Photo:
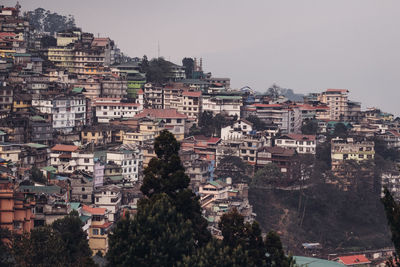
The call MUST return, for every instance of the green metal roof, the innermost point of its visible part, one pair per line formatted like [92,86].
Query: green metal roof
[35,145]
[49,169]
[84,218]
[315,262]
[116,177]
[37,118]
[77,90]
[75,205]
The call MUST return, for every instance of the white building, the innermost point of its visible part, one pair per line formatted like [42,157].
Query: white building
[112,108]
[304,144]
[68,159]
[130,161]
[68,111]
[237,130]
[227,104]
[109,197]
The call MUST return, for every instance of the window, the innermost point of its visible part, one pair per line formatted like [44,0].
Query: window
[179,120]
[87,160]
[84,196]
[83,189]
[95,231]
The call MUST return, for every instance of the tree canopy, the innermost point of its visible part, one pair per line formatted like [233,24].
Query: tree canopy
[45,21]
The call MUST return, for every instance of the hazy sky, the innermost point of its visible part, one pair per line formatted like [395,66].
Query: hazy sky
[306,45]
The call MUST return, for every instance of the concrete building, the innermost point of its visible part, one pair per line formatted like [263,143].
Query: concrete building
[303,144]
[113,108]
[336,99]
[226,104]
[109,197]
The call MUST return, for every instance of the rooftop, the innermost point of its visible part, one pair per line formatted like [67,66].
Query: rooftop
[64,148]
[161,114]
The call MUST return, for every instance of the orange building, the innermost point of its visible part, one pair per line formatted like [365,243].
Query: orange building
[15,209]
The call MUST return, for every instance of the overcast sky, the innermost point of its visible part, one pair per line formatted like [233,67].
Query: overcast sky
[306,45]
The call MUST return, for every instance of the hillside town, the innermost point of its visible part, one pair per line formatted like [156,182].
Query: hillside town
[79,119]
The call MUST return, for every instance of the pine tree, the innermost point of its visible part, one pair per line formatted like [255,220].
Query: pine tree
[157,236]
[392,210]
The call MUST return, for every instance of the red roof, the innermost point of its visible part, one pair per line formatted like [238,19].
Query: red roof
[161,114]
[94,211]
[354,259]
[67,148]
[140,92]
[395,133]
[192,94]
[213,140]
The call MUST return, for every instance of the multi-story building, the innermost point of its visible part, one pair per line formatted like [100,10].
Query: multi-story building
[350,149]
[97,135]
[82,189]
[282,157]
[113,88]
[68,111]
[153,96]
[6,99]
[171,93]
[237,130]
[113,108]
[189,103]
[98,229]
[16,210]
[303,144]
[337,100]
[226,104]
[174,121]
[130,159]
[68,159]
[287,117]
[109,197]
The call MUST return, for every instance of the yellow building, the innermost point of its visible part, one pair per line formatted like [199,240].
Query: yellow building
[98,229]
[63,57]
[148,130]
[96,135]
[22,102]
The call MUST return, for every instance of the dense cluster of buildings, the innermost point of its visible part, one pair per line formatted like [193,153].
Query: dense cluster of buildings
[77,129]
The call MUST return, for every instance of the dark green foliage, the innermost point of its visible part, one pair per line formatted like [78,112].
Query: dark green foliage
[48,41]
[157,236]
[323,154]
[274,248]
[157,70]
[233,167]
[392,210]
[37,175]
[44,21]
[238,234]
[310,127]
[258,124]
[210,125]
[267,176]
[169,223]
[42,247]
[188,63]
[340,130]
[70,231]
[391,154]
[6,258]
[216,254]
